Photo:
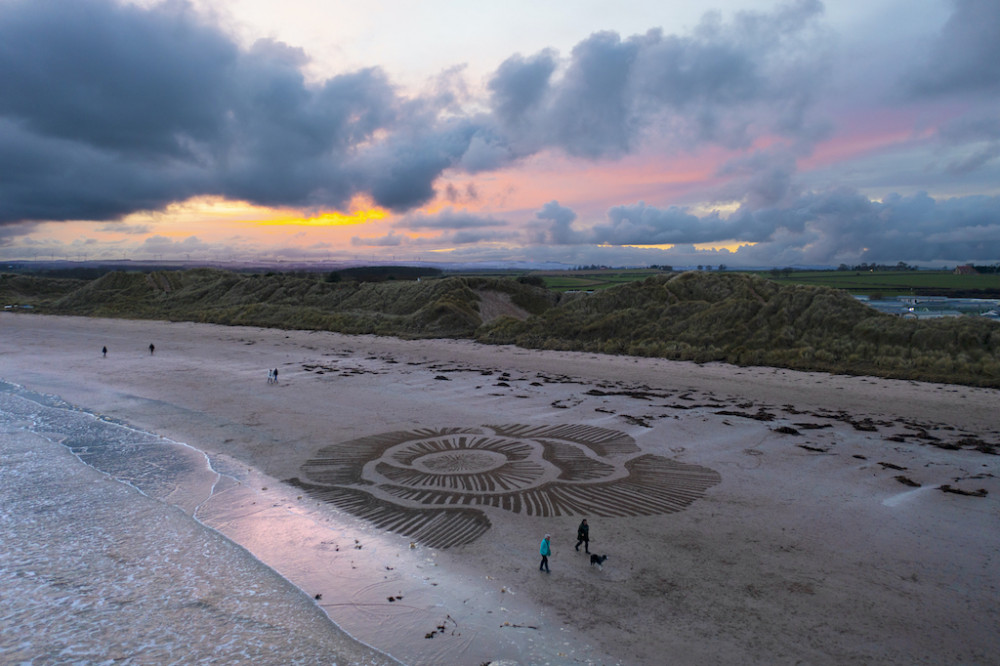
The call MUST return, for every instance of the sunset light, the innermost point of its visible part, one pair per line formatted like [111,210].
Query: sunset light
[770,132]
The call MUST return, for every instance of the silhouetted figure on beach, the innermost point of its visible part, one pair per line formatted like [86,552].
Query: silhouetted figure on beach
[104,352]
[152,348]
[275,375]
[545,550]
[583,536]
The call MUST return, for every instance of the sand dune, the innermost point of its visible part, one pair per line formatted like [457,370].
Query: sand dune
[749,515]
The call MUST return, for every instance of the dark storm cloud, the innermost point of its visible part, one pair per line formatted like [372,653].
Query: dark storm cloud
[106,109]
[55,178]
[120,79]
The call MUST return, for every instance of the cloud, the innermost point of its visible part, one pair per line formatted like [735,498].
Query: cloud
[761,179]
[468,194]
[725,84]
[392,239]
[450,239]
[825,228]
[963,58]
[557,226]
[519,86]
[107,109]
[114,78]
[448,219]
[9,235]
[457,227]
[131,229]
[162,245]
[639,224]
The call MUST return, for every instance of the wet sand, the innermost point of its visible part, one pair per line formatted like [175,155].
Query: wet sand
[749,515]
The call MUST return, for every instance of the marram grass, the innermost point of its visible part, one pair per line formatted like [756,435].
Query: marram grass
[703,317]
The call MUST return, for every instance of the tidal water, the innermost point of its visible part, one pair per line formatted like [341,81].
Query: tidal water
[103,563]
[120,546]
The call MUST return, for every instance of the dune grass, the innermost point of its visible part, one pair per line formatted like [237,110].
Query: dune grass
[747,320]
[730,317]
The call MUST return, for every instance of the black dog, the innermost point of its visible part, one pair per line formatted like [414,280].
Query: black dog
[598,560]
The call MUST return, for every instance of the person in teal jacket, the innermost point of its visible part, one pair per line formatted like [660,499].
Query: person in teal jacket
[545,551]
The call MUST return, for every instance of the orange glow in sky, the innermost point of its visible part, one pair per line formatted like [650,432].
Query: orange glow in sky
[331,219]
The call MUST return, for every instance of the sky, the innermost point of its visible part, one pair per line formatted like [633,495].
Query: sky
[639,132]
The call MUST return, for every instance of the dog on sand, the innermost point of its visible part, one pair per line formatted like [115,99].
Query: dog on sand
[598,560]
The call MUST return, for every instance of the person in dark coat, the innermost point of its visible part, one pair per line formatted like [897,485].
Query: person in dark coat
[583,536]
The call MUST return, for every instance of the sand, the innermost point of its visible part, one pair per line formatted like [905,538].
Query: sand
[749,515]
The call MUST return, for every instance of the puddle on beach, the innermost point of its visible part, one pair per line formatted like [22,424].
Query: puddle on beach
[413,603]
[906,496]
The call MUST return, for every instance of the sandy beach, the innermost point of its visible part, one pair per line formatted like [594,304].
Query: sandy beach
[748,515]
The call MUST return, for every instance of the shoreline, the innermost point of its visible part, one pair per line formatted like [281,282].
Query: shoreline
[307,548]
[807,534]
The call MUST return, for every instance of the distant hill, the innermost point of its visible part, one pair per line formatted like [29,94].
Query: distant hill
[731,317]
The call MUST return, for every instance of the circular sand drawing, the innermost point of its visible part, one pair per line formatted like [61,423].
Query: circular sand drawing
[436,486]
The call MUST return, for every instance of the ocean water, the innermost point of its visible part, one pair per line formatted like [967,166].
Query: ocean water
[120,546]
[98,567]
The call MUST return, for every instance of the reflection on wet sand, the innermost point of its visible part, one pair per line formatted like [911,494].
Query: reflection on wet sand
[381,589]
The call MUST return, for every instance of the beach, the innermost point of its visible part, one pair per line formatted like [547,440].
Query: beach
[748,515]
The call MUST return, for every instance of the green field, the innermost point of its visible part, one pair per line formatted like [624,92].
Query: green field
[885,283]
[894,283]
[594,280]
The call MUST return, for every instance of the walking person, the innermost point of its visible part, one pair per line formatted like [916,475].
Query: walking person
[104,352]
[545,550]
[275,375]
[270,376]
[152,348]
[583,536]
